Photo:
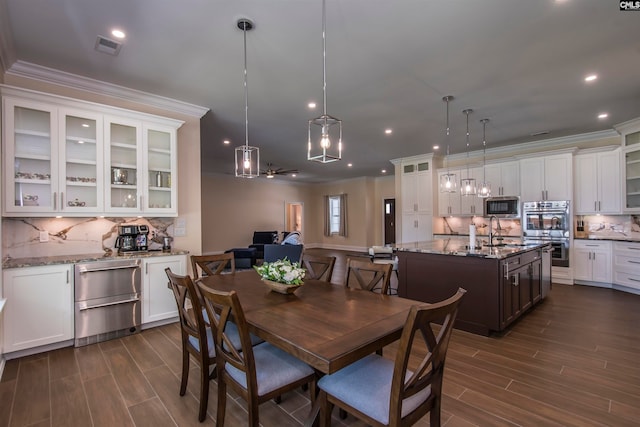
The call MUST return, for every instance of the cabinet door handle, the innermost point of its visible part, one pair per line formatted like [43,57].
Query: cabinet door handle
[516,282]
[55,200]
[595,205]
[633,280]
[61,200]
[67,276]
[634,262]
[599,205]
[589,254]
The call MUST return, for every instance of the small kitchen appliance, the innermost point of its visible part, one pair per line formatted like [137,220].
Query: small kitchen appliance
[132,238]
[166,244]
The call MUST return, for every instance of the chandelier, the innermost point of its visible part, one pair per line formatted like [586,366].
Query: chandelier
[447,180]
[468,185]
[485,186]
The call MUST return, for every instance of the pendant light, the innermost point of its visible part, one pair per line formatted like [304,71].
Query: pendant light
[325,132]
[247,157]
[448,180]
[468,185]
[485,186]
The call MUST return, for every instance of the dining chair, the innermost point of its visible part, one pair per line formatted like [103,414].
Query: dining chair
[197,339]
[257,373]
[385,255]
[366,275]
[276,252]
[318,267]
[385,392]
[212,264]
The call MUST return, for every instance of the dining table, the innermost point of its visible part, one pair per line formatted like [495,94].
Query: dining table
[328,326]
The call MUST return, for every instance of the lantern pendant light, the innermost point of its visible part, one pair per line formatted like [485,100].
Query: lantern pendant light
[448,180]
[325,132]
[247,157]
[468,185]
[485,186]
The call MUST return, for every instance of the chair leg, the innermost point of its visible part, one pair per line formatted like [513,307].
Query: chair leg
[254,416]
[325,409]
[204,390]
[278,399]
[185,371]
[222,400]
[342,413]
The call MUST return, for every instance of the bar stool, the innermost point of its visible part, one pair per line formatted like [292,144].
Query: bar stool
[384,255]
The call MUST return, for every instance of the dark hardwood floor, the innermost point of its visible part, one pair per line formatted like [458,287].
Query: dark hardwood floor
[572,361]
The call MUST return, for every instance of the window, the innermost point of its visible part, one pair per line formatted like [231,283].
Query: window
[334,214]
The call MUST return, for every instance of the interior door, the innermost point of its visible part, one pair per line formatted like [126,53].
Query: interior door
[389,221]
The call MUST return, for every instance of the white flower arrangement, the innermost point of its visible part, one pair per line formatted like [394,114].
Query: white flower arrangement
[282,271]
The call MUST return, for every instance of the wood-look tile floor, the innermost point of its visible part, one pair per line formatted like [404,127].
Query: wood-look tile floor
[572,361]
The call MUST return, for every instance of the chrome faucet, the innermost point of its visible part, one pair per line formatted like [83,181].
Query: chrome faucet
[498,227]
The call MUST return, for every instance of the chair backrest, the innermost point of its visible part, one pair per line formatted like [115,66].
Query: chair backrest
[430,370]
[209,265]
[225,309]
[265,237]
[364,274]
[275,252]
[192,321]
[318,267]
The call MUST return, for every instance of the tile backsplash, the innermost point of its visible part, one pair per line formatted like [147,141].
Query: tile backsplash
[460,225]
[72,236]
[610,226]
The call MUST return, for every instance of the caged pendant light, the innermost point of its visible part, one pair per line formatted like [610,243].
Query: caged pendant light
[325,132]
[468,185]
[485,186]
[447,180]
[247,157]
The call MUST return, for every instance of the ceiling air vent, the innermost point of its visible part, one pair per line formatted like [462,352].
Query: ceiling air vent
[106,45]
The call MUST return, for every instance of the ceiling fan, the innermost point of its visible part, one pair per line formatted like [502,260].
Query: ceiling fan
[271,171]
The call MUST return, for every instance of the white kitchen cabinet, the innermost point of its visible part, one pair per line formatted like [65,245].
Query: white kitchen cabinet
[504,178]
[592,261]
[626,264]
[631,166]
[448,203]
[597,183]
[416,192]
[546,178]
[61,157]
[472,205]
[39,308]
[158,301]
[142,167]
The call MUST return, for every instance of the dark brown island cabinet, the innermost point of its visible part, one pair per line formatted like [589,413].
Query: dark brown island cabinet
[499,289]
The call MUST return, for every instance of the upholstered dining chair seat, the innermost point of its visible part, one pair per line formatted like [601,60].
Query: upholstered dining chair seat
[274,369]
[366,386]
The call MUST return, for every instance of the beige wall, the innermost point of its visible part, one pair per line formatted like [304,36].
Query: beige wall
[234,208]
[188,153]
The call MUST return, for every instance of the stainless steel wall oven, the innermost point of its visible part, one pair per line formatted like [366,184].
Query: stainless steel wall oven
[107,300]
[548,222]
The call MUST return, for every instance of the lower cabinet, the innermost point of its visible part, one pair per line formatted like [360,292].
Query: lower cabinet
[521,285]
[592,261]
[39,308]
[158,302]
[417,227]
[626,264]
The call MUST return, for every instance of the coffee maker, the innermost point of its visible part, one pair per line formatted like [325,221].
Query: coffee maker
[132,238]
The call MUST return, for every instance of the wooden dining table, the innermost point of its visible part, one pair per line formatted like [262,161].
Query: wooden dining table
[327,326]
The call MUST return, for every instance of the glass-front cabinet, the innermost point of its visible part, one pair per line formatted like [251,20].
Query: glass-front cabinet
[632,171]
[62,159]
[31,152]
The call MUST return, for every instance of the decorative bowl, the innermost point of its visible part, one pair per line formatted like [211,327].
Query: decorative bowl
[281,288]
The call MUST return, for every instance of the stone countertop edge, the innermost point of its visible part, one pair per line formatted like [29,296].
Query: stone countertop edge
[610,238]
[74,259]
[484,252]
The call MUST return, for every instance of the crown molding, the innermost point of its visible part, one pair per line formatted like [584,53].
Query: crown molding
[628,126]
[74,81]
[7,52]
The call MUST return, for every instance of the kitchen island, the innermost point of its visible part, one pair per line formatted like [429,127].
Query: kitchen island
[502,282]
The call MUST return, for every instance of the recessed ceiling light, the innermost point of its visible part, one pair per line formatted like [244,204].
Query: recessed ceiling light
[311,105]
[591,77]
[85,125]
[118,33]
[436,147]
[603,115]
[80,141]
[294,175]
[350,164]
[384,171]
[388,131]
[226,142]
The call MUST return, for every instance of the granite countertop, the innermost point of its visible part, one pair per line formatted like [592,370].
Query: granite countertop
[460,247]
[74,259]
[614,237]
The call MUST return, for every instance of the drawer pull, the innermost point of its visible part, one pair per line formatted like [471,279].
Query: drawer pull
[633,280]
[634,262]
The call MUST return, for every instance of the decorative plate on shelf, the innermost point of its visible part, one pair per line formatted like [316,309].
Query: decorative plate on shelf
[282,288]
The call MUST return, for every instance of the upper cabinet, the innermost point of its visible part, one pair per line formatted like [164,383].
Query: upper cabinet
[597,183]
[71,158]
[455,204]
[416,198]
[631,166]
[504,178]
[546,178]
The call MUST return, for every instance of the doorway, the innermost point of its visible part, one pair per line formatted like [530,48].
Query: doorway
[389,221]
[293,216]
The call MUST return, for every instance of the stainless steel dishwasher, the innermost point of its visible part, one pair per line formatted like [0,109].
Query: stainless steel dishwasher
[107,300]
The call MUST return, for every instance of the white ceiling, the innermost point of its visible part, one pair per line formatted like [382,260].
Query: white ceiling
[389,63]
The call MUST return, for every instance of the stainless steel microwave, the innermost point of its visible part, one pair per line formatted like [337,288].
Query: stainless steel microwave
[502,207]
